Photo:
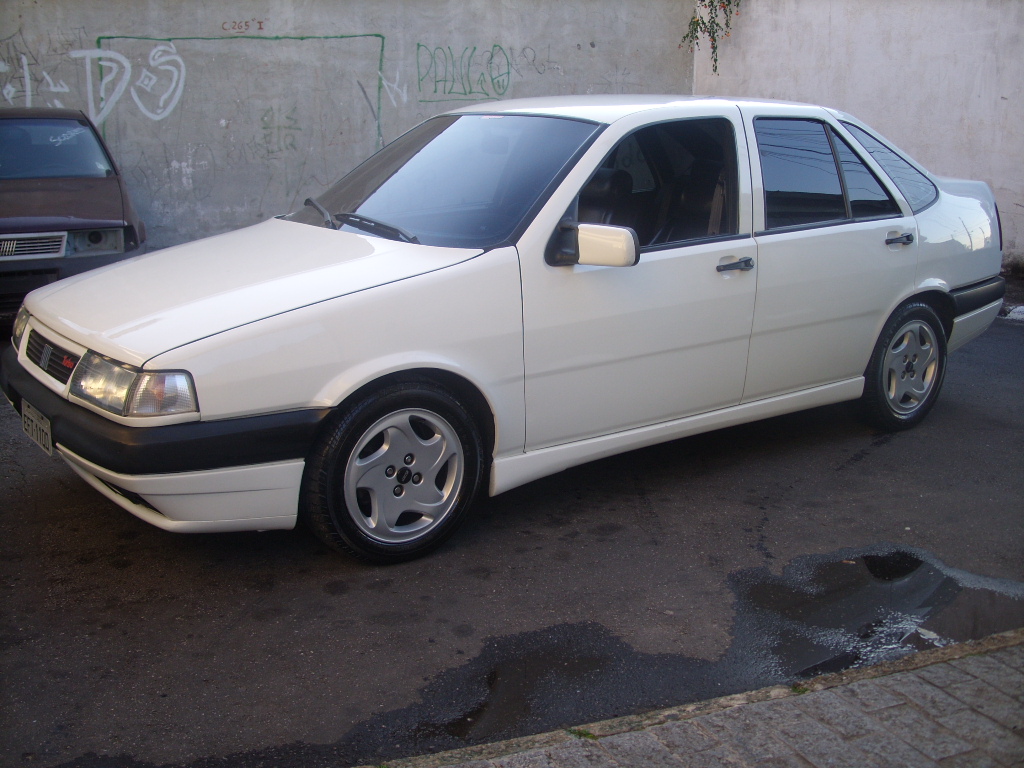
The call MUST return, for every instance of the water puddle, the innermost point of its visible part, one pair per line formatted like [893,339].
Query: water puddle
[857,608]
[823,614]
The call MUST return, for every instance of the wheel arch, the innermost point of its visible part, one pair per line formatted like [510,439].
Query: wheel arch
[466,391]
[941,302]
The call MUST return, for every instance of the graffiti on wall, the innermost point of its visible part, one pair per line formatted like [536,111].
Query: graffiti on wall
[104,74]
[447,73]
[107,75]
[156,92]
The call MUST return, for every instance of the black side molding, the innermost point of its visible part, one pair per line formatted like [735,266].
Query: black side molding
[189,447]
[972,297]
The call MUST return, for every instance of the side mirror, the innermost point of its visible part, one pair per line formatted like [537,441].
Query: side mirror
[602,246]
[595,245]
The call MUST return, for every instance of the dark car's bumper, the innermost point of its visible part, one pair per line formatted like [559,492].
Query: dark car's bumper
[22,276]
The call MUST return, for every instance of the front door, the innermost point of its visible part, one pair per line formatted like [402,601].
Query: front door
[608,349]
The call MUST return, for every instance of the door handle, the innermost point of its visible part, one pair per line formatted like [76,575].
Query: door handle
[905,239]
[745,265]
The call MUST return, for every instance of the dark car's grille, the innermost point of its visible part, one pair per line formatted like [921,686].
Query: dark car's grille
[16,283]
[32,245]
[56,361]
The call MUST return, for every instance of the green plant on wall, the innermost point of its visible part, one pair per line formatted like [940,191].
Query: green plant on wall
[711,20]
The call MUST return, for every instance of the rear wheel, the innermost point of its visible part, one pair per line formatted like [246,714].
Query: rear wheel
[395,475]
[906,370]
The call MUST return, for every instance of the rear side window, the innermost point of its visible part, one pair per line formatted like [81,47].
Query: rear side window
[813,177]
[801,179]
[915,186]
[868,198]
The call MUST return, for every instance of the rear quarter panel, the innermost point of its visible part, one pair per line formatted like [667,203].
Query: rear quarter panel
[959,237]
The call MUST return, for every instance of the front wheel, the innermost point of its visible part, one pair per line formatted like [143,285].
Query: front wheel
[393,478]
[907,367]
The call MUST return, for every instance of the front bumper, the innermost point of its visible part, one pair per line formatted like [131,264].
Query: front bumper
[255,498]
[228,475]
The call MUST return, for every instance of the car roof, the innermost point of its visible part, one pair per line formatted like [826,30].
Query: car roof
[605,108]
[37,112]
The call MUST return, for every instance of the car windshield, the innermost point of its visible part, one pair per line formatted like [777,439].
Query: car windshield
[48,148]
[462,181]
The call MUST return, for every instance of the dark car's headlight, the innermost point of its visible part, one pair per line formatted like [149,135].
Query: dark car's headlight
[20,323]
[95,242]
[128,391]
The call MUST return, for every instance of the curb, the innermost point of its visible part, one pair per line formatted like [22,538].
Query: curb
[687,711]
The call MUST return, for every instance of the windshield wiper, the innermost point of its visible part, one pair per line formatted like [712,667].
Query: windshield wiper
[376,227]
[328,222]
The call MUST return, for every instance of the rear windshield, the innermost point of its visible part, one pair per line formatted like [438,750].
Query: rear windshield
[49,148]
[461,181]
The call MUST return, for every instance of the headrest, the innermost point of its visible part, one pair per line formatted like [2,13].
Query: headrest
[608,183]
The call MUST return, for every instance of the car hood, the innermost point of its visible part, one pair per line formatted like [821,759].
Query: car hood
[46,205]
[139,308]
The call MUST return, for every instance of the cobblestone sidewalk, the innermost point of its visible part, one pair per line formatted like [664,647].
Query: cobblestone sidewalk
[958,706]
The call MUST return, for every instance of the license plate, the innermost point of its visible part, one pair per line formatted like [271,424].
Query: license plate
[36,426]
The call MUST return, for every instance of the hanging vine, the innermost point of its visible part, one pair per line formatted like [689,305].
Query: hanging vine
[711,20]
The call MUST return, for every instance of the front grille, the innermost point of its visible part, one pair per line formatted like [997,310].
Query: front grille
[28,246]
[56,361]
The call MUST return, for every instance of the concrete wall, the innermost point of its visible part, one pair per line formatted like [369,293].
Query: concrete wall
[939,78]
[222,115]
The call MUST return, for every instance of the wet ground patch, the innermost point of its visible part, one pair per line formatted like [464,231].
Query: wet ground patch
[823,613]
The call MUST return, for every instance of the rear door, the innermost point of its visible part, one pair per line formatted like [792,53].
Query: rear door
[836,251]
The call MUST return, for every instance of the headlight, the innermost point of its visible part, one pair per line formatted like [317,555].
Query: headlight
[103,382]
[20,323]
[95,242]
[127,391]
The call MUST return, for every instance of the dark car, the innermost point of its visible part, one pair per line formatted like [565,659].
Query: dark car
[64,208]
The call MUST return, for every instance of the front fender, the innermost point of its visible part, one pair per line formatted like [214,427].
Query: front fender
[465,319]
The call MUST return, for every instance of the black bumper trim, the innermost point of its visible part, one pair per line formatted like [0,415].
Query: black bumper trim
[189,447]
[976,296]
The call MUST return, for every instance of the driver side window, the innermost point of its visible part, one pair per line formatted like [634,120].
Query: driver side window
[670,183]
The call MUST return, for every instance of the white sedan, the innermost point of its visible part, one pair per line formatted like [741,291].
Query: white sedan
[503,292]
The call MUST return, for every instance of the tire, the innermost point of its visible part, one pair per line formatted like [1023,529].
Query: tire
[907,367]
[393,477]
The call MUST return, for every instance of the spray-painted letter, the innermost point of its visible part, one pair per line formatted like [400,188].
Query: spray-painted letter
[165,58]
[115,70]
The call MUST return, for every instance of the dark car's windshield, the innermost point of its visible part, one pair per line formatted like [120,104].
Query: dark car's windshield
[46,148]
[462,181]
